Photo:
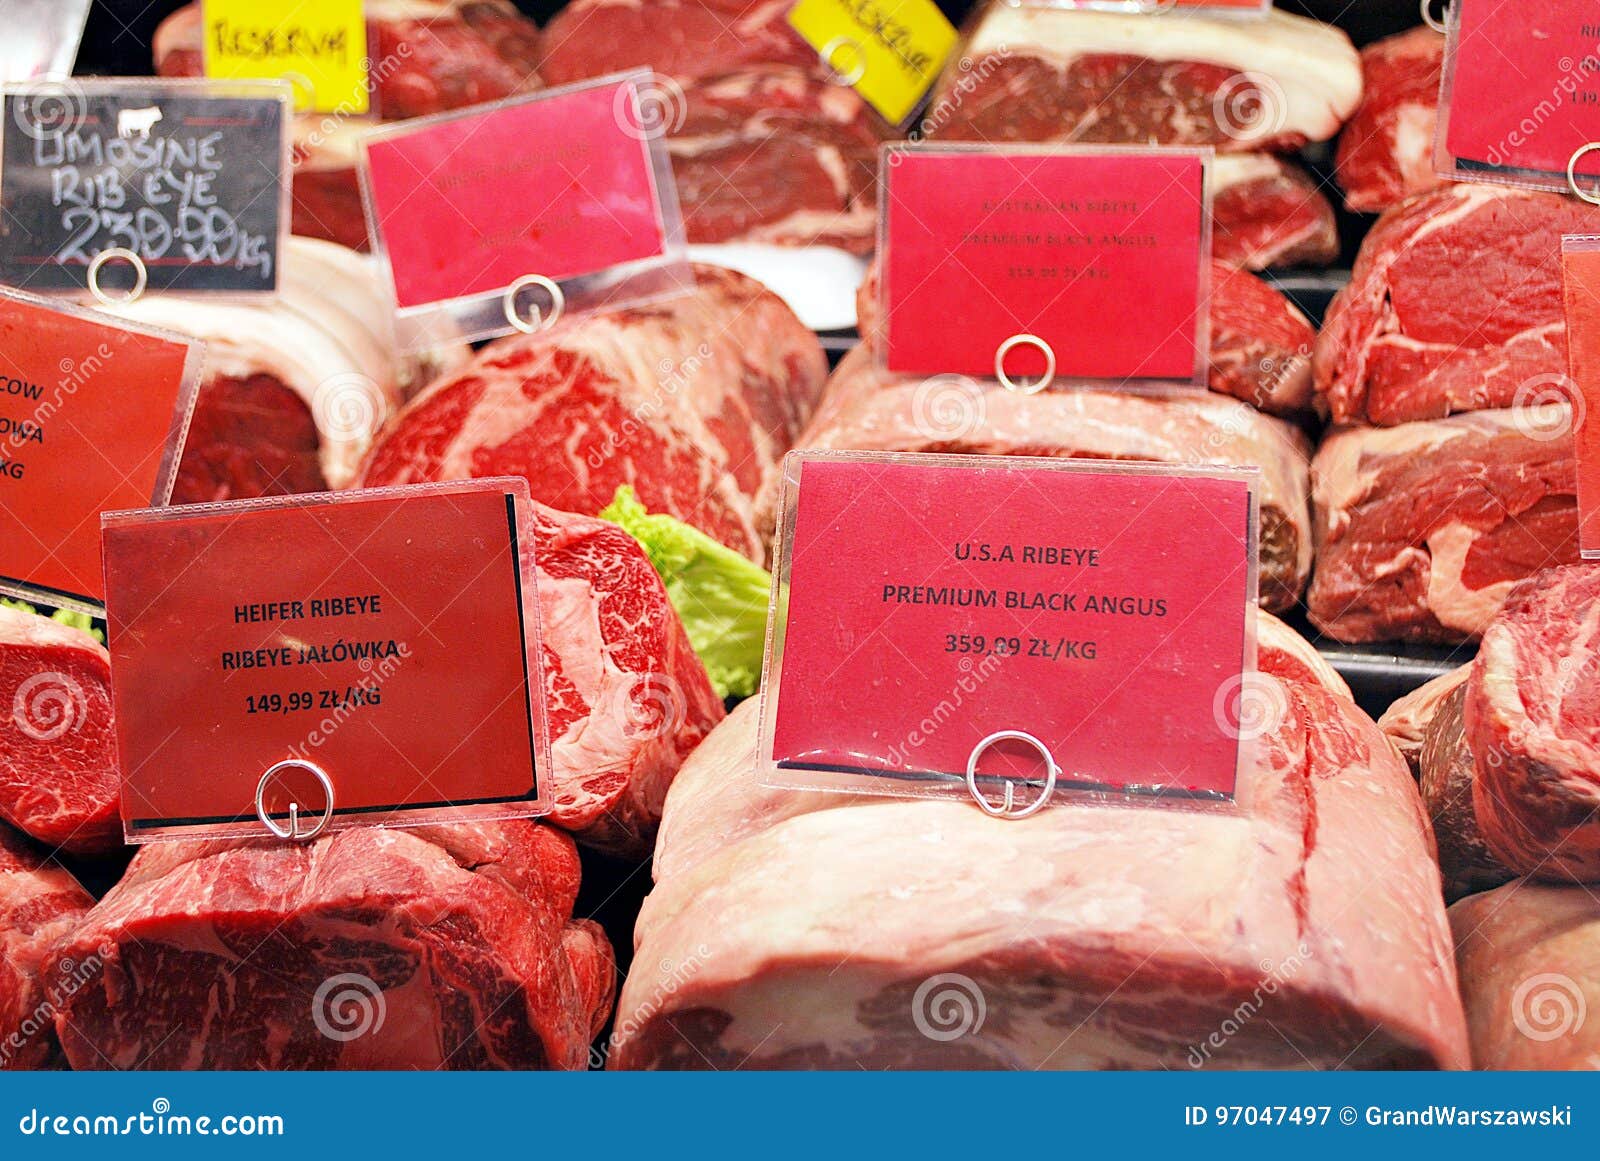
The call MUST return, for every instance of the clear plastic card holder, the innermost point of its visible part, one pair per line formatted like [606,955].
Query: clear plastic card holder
[94,411]
[128,187]
[1229,9]
[1065,265]
[448,200]
[1015,631]
[288,666]
[1573,406]
[1519,100]
[42,38]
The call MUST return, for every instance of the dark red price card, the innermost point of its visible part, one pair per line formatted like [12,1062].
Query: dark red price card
[383,637]
[92,417]
[929,602]
[559,186]
[1061,263]
[1581,268]
[1521,92]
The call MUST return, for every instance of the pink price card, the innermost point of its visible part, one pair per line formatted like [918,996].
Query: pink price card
[385,641]
[1579,413]
[1521,92]
[570,187]
[93,414]
[1039,265]
[926,603]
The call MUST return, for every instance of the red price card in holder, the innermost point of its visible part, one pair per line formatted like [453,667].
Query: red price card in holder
[499,217]
[945,622]
[290,664]
[1039,264]
[93,413]
[1521,94]
[1580,415]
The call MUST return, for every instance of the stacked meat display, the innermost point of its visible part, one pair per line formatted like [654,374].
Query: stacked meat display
[1415,892]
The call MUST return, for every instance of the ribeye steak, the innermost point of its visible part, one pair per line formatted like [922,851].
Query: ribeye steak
[39,905]
[1386,151]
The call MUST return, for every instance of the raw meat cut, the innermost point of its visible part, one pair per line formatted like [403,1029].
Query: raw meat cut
[626,697]
[1532,719]
[1422,529]
[868,409]
[1268,212]
[1455,304]
[1528,955]
[1406,721]
[428,56]
[58,765]
[776,155]
[675,38]
[1282,652]
[294,388]
[449,947]
[39,905]
[1054,74]
[1447,777]
[692,400]
[1386,151]
[1261,343]
[810,930]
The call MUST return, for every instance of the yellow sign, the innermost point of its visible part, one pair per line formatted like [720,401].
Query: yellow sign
[889,51]
[319,46]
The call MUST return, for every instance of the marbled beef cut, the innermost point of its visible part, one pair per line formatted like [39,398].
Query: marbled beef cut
[1533,721]
[692,400]
[1422,529]
[447,947]
[429,56]
[1269,212]
[40,904]
[1528,955]
[1407,719]
[1447,774]
[58,765]
[1386,151]
[802,930]
[868,409]
[1455,304]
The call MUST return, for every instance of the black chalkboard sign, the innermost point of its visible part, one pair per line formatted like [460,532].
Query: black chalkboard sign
[191,179]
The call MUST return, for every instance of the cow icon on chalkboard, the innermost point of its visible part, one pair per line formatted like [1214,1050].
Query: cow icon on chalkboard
[137,122]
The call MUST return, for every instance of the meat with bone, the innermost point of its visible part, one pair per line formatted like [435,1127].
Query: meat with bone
[1261,343]
[1386,151]
[58,766]
[1053,74]
[1269,212]
[1532,719]
[295,388]
[428,56]
[626,697]
[803,930]
[449,947]
[1448,773]
[776,155]
[675,38]
[1455,304]
[692,400]
[1422,529]
[1528,955]
[39,905]
[868,409]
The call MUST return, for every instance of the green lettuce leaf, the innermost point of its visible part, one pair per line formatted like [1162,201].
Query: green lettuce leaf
[66,617]
[720,596]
